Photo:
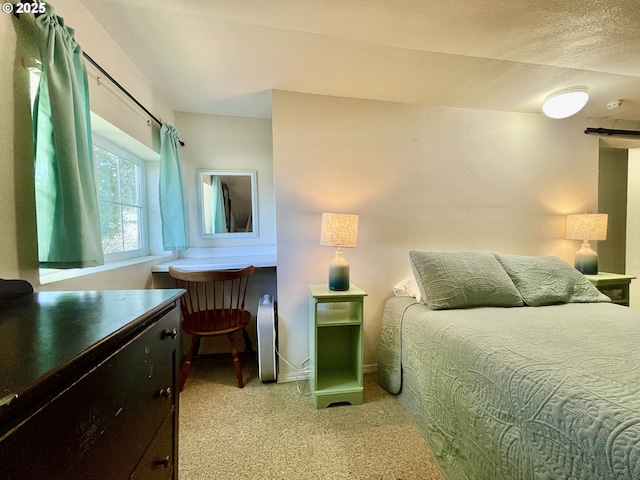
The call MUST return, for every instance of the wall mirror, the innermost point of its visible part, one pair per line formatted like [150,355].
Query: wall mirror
[228,203]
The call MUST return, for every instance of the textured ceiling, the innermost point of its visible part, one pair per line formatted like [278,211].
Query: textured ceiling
[224,56]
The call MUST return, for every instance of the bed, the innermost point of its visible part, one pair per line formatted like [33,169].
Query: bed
[515,367]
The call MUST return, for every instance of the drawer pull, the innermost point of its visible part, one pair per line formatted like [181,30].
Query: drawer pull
[173,333]
[165,393]
[165,462]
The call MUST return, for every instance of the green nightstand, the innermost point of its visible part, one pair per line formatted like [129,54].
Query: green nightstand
[336,345]
[613,285]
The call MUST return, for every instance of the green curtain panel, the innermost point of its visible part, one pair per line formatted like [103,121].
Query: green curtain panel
[66,198]
[219,222]
[174,223]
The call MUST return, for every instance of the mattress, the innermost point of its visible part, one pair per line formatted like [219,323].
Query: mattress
[548,392]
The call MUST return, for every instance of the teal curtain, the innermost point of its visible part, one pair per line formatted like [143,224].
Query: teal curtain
[66,199]
[219,221]
[174,223]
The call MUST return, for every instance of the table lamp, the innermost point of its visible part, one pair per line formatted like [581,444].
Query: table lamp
[339,230]
[585,227]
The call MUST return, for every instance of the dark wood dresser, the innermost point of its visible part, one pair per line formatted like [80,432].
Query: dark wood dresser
[88,385]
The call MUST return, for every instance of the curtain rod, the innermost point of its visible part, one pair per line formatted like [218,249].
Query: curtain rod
[609,131]
[106,74]
[124,90]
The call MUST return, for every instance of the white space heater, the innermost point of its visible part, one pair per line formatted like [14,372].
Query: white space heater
[267,331]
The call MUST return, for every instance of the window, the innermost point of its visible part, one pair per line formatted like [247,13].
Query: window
[120,182]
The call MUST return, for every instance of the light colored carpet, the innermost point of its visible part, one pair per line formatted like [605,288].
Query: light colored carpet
[272,431]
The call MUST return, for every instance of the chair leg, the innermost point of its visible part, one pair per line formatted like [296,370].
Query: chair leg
[196,349]
[184,371]
[248,347]
[237,366]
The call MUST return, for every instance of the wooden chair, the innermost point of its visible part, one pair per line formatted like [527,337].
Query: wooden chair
[213,305]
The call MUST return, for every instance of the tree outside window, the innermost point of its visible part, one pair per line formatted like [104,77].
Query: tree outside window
[121,204]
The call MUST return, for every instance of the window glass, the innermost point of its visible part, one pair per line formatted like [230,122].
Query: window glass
[120,194]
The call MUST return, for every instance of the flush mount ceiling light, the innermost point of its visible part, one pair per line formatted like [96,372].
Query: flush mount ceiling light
[566,102]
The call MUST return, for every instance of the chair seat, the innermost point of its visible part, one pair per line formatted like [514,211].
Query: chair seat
[215,322]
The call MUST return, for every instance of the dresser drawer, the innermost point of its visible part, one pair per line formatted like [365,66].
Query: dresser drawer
[159,461]
[100,425]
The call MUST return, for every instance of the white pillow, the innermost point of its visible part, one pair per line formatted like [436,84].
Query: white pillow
[408,287]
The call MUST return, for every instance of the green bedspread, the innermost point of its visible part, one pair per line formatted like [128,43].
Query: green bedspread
[547,392]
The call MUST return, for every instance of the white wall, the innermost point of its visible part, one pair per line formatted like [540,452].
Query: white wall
[633,226]
[420,178]
[215,142]
[18,255]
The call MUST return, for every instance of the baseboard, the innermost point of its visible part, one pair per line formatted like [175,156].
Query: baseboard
[292,377]
[373,368]
[297,376]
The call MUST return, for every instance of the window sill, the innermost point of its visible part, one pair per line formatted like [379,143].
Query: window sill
[51,275]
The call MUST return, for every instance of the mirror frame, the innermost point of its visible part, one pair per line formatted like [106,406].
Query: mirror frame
[254,203]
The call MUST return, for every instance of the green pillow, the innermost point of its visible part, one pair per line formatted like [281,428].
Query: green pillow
[548,280]
[462,279]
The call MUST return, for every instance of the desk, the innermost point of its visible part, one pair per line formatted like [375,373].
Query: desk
[218,263]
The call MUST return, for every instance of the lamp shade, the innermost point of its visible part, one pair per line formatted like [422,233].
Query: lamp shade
[587,226]
[339,230]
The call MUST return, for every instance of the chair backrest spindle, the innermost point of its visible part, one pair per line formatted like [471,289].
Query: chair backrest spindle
[216,296]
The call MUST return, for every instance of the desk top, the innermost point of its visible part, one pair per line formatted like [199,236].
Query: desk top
[218,263]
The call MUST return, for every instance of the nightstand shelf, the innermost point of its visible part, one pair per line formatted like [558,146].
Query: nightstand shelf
[332,380]
[613,285]
[336,345]
[337,317]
